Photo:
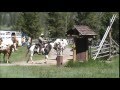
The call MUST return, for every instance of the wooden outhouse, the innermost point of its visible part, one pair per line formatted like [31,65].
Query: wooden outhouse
[81,33]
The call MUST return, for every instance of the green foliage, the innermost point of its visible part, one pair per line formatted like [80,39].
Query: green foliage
[59,22]
[99,22]
[8,19]
[105,20]
[55,24]
[29,24]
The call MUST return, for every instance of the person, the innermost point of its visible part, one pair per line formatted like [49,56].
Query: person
[29,42]
[23,41]
[15,41]
[40,39]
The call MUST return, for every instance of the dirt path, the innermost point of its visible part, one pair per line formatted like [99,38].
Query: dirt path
[67,54]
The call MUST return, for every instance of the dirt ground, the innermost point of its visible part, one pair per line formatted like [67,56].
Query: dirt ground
[67,54]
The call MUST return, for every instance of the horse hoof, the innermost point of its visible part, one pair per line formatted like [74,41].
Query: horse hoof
[45,62]
[32,62]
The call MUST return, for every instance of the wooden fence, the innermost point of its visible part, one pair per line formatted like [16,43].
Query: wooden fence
[107,50]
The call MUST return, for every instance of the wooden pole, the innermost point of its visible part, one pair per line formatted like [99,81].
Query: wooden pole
[74,52]
[90,53]
[110,41]
[87,46]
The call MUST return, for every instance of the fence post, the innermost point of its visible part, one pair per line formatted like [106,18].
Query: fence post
[59,60]
[110,41]
[90,53]
[74,52]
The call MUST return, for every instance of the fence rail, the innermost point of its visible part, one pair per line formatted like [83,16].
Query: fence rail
[105,51]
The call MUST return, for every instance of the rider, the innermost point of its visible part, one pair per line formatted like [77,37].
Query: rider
[14,39]
[41,42]
[40,39]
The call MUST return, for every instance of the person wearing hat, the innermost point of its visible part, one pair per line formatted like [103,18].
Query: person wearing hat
[40,39]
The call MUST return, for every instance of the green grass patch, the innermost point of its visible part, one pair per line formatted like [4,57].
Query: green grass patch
[91,69]
[20,55]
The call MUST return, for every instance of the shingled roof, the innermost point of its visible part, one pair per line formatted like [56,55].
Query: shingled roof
[84,30]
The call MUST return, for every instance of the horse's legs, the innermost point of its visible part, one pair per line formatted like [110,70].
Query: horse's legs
[0,57]
[15,46]
[28,60]
[9,54]
[7,57]
[30,57]
[46,58]
[62,51]
[4,57]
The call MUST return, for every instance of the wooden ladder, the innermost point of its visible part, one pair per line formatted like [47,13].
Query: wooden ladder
[105,36]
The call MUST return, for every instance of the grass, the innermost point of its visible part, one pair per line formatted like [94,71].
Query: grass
[20,55]
[90,69]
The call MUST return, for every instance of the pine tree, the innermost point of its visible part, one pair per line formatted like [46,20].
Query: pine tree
[29,23]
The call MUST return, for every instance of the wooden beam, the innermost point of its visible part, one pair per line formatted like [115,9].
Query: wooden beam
[74,52]
[110,44]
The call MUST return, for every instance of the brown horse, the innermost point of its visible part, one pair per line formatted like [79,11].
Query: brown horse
[7,52]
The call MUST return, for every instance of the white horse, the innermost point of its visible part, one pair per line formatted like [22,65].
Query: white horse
[60,45]
[36,48]
[46,50]
[32,50]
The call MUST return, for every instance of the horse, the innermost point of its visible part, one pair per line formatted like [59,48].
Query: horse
[60,45]
[38,48]
[6,50]
[8,42]
[46,50]
[32,50]
[6,47]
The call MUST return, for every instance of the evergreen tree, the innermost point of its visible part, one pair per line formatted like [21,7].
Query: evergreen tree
[29,23]
[56,24]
